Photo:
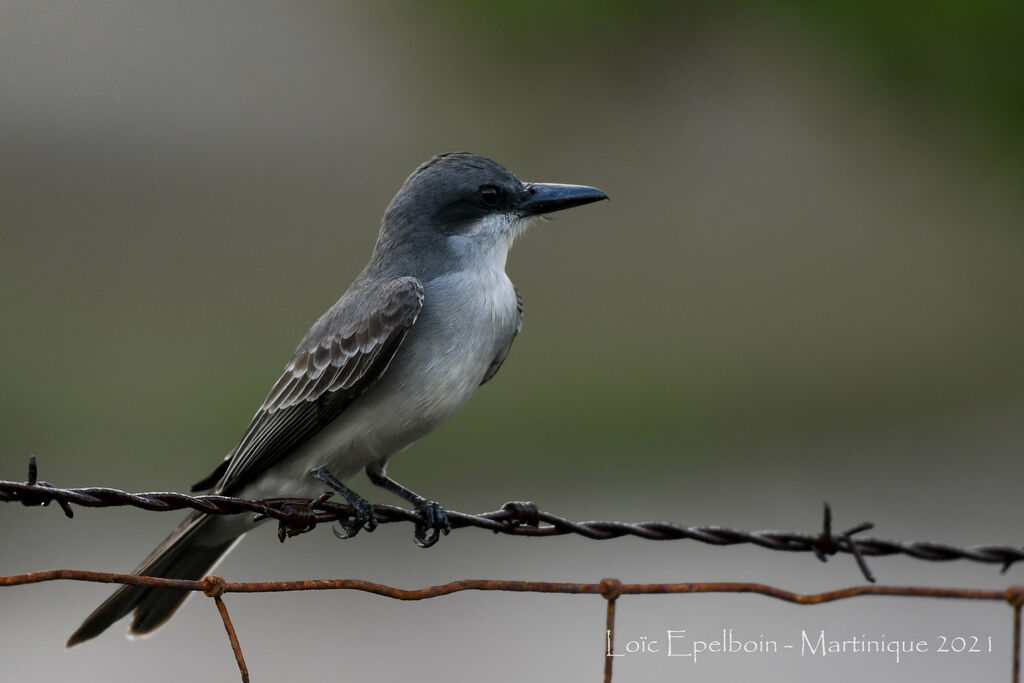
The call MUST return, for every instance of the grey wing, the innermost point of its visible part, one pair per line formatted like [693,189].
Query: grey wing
[500,358]
[347,350]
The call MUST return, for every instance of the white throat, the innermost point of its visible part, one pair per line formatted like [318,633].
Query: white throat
[488,240]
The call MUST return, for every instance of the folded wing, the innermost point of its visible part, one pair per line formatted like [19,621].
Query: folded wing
[345,352]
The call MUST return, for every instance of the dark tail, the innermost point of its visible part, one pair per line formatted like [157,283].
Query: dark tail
[188,553]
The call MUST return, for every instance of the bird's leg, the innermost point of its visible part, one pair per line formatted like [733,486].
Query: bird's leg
[435,519]
[363,516]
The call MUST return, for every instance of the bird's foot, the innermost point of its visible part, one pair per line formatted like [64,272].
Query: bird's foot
[433,519]
[363,516]
[433,524]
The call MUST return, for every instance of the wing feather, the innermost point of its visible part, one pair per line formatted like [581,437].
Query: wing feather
[345,352]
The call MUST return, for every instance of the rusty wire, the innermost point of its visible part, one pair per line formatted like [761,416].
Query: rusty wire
[610,589]
[296,516]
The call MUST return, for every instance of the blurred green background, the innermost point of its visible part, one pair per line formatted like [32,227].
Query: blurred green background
[807,285]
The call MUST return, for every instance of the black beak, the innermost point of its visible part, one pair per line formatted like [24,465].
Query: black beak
[547,197]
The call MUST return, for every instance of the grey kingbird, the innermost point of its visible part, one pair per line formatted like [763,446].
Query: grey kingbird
[428,320]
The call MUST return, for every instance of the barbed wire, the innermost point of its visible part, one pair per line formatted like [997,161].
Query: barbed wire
[296,516]
[517,518]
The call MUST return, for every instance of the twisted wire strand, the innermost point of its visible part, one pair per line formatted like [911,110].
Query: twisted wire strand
[517,518]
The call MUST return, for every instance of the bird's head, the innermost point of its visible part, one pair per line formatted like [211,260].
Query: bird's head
[471,207]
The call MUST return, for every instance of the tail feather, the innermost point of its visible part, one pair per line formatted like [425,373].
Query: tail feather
[188,553]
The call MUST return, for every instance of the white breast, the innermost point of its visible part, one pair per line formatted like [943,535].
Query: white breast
[473,319]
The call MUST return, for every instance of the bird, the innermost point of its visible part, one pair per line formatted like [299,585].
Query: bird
[428,320]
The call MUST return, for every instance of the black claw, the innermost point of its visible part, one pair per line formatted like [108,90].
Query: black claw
[434,523]
[363,517]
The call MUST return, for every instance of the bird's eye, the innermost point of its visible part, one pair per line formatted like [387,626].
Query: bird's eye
[490,195]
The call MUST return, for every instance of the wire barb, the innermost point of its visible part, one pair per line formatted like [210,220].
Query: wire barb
[297,518]
[828,545]
[33,498]
[521,512]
